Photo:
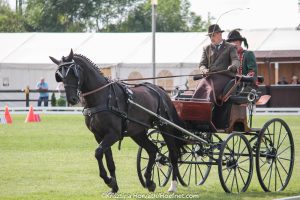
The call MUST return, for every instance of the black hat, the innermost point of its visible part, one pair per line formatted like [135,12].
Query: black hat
[235,35]
[214,28]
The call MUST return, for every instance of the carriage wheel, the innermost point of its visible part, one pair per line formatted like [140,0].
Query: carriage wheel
[195,164]
[235,163]
[162,169]
[275,155]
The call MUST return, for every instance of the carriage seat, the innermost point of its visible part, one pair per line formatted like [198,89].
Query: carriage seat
[245,81]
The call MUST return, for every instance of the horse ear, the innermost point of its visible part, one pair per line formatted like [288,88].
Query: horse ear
[70,56]
[54,60]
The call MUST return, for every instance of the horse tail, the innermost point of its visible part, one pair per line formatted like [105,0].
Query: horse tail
[180,140]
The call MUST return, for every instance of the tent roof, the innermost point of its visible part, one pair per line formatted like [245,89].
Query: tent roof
[114,48]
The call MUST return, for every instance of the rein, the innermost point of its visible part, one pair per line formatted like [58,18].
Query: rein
[149,78]
[175,76]
[97,89]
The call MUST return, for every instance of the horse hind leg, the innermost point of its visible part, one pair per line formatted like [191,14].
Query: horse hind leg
[144,142]
[104,146]
[173,155]
[112,169]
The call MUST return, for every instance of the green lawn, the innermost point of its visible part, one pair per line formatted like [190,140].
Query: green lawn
[54,159]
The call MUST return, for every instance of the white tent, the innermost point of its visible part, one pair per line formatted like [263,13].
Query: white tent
[24,57]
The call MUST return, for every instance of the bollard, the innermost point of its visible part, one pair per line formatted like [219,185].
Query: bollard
[27,95]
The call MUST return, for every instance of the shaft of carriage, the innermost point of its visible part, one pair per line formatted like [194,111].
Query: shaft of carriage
[167,121]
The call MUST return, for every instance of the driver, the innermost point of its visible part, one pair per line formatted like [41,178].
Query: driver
[219,56]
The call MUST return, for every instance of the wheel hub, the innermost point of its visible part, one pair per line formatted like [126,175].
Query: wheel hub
[271,154]
[231,163]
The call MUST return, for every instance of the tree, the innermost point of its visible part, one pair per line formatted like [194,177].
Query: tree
[108,14]
[58,15]
[9,20]
[172,16]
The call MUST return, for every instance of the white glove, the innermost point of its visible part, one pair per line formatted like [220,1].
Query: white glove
[232,68]
[203,70]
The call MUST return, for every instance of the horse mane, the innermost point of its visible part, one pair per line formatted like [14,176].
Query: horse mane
[96,67]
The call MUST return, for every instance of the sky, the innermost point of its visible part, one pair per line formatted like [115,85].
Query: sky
[249,14]
[246,14]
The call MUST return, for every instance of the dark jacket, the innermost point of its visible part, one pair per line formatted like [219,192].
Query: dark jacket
[221,59]
[249,63]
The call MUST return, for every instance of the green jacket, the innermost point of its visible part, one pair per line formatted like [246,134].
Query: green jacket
[249,63]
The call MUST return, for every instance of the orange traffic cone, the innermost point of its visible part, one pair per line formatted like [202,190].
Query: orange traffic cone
[30,116]
[7,115]
[37,117]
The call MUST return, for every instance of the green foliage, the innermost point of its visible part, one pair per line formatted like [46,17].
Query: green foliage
[61,102]
[9,20]
[172,16]
[58,16]
[53,99]
[99,16]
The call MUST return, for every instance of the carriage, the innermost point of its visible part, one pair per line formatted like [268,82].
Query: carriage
[230,142]
[208,134]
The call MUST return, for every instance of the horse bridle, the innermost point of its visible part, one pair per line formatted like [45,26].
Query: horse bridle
[63,71]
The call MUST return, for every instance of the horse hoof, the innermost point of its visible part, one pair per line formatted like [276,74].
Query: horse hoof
[173,187]
[151,187]
[113,185]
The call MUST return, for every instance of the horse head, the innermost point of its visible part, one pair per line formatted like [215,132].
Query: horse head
[68,72]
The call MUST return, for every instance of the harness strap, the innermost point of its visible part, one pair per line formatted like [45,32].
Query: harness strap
[96,90]
[90,111]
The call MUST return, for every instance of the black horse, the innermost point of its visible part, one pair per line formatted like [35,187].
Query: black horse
[110,117]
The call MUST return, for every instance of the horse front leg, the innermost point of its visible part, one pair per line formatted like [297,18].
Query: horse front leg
[103,147]
[110,163]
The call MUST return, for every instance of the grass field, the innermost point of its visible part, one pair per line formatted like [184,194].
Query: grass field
[54,159]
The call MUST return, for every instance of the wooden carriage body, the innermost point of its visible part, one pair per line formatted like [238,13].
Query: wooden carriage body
[226,118]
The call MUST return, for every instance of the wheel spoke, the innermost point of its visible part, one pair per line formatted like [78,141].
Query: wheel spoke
[158,175]
[244,161]
[283,150]
[191,166]
[286,134]
[269,134]
[144,158]
[228,175]
[200,171]
[163,173]
[279,136]
[270,175]
[286,159]
[144,168]
[184,160]
[237,185]
[232,182]
[241,175]
[267,172]
[279,176]
[283,167]
[242,152]
[244,170]
[264,162]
